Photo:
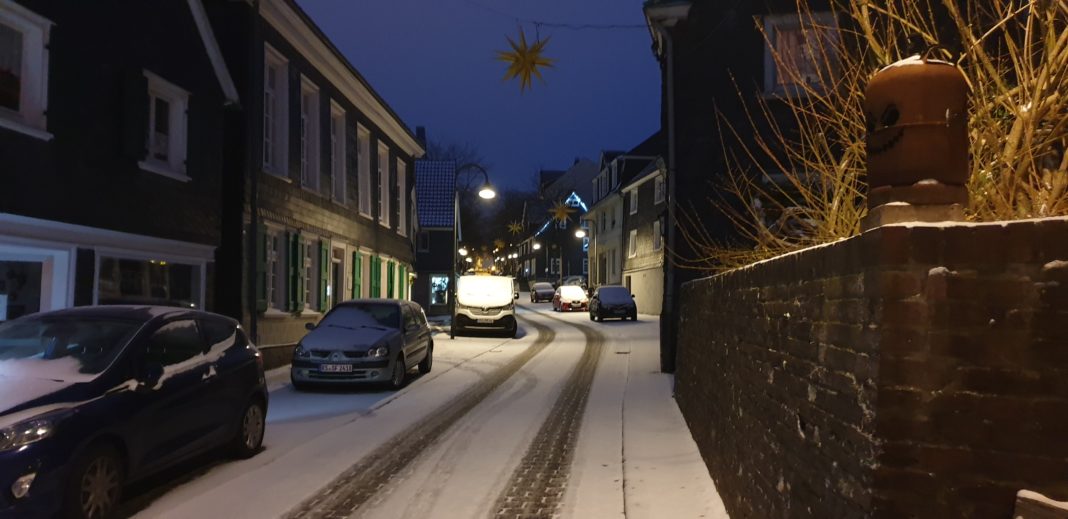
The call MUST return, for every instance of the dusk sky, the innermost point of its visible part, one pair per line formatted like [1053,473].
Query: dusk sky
[434,62]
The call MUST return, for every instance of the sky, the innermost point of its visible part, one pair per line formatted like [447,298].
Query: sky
[434,62]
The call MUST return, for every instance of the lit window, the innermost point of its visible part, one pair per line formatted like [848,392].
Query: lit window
[338,157]
[275,113]
[363,151]
[800,53]
[24,37]
[167,105]
[309,135]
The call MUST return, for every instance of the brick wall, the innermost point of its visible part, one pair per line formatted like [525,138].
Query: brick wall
[912,371]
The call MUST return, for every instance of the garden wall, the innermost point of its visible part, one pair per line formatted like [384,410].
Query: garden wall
[916,370]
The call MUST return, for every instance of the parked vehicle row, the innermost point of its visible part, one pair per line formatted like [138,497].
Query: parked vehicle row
[607,302]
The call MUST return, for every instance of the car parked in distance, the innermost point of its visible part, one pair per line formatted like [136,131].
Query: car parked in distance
[92,398]
[485,303]
[364,340]
[541,291]
[611,301]
[570,297]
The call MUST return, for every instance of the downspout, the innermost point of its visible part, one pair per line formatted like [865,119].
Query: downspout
[253,176]
[669,330]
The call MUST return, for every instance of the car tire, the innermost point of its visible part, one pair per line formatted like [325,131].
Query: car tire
[428,361]
[634,316]
[600,318]
[515,331]
[400,373]
[250,430]
[94,486]
[591,316]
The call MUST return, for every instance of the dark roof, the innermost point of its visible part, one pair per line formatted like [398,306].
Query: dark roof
[547,176]
[650,147]
[435,186]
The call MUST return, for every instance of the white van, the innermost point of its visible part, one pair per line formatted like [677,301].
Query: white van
[485,303]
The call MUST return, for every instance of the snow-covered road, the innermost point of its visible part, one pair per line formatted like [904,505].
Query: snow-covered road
[572,415]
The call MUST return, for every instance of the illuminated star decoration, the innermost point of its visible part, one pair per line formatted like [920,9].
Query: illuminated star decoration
[562,212]
[523,60]
[515,228]
[498,243]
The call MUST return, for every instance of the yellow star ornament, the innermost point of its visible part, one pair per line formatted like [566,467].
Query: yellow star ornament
[515,228]
[523,60]
[499,243]
[562,212]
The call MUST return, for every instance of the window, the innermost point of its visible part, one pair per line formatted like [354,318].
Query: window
[423,242]
[585,266]
[383,184]
[363,151]
[24,37]
[554,266]
[634,201]
[309,135]
[799,53]
[167,106]
[311,270]
[174,343]
[658,241]
[275,113]
[154,281]
[337,152]
[276,270]
[658,190]
[439,289]
[402,202]
[632,243]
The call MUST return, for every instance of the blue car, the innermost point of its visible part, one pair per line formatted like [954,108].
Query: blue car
[92,398]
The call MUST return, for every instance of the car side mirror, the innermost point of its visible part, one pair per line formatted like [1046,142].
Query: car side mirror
[151,373]
[309,326]
[632,296]
[517,295]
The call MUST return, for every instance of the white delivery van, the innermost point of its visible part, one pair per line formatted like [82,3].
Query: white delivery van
[485,303]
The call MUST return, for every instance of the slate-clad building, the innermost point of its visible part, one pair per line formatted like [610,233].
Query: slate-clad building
[644,205]
[112,154]
[435,186]
[325,176]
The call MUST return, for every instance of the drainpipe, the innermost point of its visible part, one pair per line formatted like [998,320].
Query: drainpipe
[255,55]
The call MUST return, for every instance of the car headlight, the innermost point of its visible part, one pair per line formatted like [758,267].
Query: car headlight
[379,352]
[300,352]
[25,433]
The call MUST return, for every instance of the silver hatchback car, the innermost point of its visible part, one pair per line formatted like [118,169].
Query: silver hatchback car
[364,340]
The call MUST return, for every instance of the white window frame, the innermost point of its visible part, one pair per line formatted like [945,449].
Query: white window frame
[658,190]
[277,274]
[634,201]
[276,115]
[383,184]
[658,239]
[31,117]
[310,248]
[177,99]
[772,24]
[338,153]
[363,153]
[632,243]
[585,266]
[310,150]
[402,202]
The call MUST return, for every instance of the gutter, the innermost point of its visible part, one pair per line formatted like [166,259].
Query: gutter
[211,45]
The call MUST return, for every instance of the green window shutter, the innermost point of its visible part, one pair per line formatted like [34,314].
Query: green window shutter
[325,261]
[261,268]
[376,276]
[402,286]
[292,260]
[356,271]
[296,268]
[390,279]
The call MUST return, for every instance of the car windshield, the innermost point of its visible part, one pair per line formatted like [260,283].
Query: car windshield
[572,292]
[613,295]
[542,286]
[62,348]
[355,315]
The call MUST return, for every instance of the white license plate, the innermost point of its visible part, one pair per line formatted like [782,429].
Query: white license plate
[336,368]
[485,321]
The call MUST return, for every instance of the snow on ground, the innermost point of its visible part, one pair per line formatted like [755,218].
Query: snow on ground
[313,436]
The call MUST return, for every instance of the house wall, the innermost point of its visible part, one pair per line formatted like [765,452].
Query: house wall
[913,371]
[645,270]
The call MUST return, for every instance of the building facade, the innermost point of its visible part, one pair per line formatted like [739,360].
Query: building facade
[328,209]
[644,202]
[435,183]
[111,186]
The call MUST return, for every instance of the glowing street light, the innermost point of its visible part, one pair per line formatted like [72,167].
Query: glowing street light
[462,251]
[580,233]
[537,246]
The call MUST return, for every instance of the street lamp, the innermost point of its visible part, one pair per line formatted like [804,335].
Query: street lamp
[486,192]
[537,246]
[462,251]
[580,233]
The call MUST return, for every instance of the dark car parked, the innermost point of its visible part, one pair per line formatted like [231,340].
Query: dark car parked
[364,340]
[542,292]
[612,301]
[94,397]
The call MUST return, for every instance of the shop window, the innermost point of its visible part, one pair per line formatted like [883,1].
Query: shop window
[20,288]
[439,290]
[135,281]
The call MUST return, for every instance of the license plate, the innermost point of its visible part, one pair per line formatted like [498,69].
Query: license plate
[485,321]
[577,303]
[336,368]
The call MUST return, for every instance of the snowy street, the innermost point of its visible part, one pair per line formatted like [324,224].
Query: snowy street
[571,418]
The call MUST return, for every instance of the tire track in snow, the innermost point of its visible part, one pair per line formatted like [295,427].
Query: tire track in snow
[371,475]
[536,488]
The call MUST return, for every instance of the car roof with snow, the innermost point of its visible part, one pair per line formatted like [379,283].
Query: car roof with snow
[132,312]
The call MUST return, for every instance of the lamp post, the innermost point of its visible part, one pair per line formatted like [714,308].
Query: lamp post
[486,192]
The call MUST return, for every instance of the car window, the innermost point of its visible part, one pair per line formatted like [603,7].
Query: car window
[174,343]
[613,295]
[62,347]
[220,334]
[355,315]
[409,318]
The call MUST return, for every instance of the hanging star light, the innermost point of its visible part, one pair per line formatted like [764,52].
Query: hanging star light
[523,60]
[499,243]
[515,227]
[562,212]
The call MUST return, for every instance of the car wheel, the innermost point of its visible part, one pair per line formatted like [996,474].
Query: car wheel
[600,318]
[591,316]
[428,361]
[94,488]
[515,331]
[634,316]
[250,430]
[297,385]
[400,372]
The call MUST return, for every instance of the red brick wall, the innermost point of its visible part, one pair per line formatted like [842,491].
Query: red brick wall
[912,371]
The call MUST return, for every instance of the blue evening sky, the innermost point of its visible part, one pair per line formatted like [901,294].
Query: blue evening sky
[434,62]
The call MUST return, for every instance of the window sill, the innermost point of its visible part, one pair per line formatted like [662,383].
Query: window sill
[339,202]
[386,225]
[274,313]
[278,176]
[310,189]
[166,171]
[308,313]
[25,129]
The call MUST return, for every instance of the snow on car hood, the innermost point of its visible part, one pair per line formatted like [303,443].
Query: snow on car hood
[488,291]
[334,338]
[15,391]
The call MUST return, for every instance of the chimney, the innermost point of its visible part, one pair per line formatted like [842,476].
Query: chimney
[420,135]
